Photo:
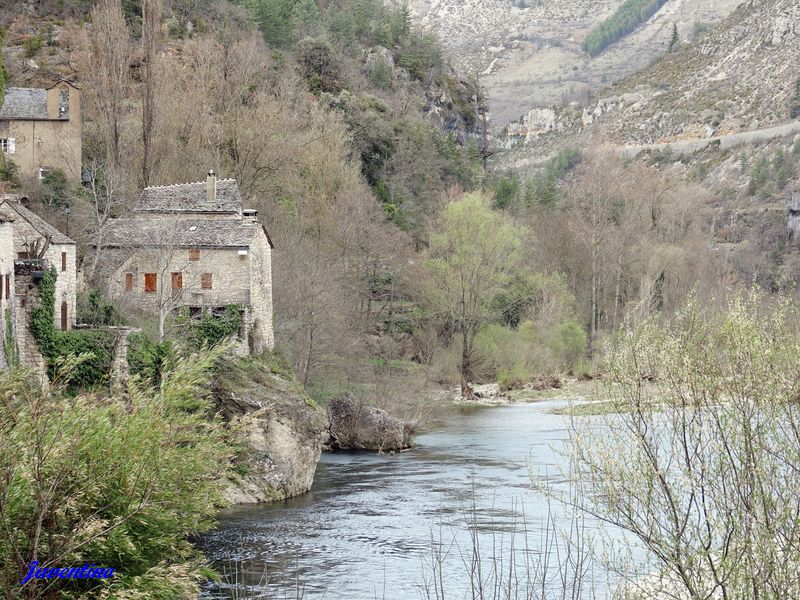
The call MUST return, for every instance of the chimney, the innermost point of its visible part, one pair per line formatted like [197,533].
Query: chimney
[211,186]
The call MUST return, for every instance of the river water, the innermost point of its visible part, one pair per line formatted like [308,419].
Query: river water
[373,525]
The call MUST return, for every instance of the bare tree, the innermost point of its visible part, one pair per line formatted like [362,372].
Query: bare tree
[151,27]
[108,77]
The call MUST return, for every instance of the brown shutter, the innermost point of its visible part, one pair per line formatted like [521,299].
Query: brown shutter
[128,282]
[194,254]
[8,286]
[150,282]
[63,316]
[206,281]
[1,288]
[63,261]
[177,281]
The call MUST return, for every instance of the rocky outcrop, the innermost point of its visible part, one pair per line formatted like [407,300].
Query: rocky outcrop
[356,426]
[279,434]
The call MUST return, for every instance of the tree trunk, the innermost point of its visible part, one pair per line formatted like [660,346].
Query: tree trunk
[151,16]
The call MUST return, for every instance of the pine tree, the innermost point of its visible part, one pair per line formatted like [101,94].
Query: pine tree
[306,19]
[674,39]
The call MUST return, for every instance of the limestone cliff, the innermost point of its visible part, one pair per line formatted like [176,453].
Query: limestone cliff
[277,430]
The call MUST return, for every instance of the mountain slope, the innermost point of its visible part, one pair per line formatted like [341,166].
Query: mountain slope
[529,52]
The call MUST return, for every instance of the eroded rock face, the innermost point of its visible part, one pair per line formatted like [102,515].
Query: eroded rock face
[280,438]
[356,426]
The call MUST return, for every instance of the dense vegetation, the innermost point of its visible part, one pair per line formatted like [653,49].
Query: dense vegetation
[120,481]
[623,21]
[96,345]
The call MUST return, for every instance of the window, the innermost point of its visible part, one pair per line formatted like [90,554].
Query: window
[63,261]
[63,316]
[1,288]
[177,281]
[194,254]
[8,145]
[128,282]
[23,255]
[150,282]
[206,281]
[8,286]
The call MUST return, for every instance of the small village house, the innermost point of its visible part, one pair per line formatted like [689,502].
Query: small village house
[35,239]
[40,130]
[189,245]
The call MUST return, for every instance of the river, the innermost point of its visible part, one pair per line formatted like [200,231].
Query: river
[367,528]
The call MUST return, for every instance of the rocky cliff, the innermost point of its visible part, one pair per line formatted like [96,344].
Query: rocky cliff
[277,430]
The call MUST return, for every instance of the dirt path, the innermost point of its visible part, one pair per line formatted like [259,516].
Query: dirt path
[725,142]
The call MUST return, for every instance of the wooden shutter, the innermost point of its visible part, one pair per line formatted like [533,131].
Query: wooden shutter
[8,286]
[128,282]
[63,316]
[63,261]
[206,281]
[150,282]
[194,254]
[177,281]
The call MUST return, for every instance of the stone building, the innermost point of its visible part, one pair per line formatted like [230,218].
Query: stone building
[189,245]
[40,129]
[35,238]
[6,289]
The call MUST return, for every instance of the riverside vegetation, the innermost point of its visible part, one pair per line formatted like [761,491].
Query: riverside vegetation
[400,261]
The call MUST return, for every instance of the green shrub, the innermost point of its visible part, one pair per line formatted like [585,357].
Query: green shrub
[32,45]
[93,309]
[570,343]
[56,189]
[8,171]
[319,66]
[212,328]
[55,345]
[120,481]
[148,359]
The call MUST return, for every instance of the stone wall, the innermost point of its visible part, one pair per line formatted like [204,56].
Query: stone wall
[229,270]
[26,298]
[6,283]
[263,336]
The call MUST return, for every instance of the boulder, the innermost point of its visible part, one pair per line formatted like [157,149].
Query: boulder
[356,426]
[279,434]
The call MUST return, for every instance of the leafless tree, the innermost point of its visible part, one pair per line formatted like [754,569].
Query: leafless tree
[151,29]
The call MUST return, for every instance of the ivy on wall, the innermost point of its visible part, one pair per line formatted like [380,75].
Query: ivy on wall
[10,345]
[54,343]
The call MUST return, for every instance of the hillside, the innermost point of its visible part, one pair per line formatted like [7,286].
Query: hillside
[720,112]
[529,52]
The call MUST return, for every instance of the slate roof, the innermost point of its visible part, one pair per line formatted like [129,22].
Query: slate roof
[184,233]
[24,103]
[190,197]
[43,227]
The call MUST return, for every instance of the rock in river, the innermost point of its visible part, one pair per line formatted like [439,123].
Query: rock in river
[356,426]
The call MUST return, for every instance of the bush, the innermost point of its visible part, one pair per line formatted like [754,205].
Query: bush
[97,346]
[93,309]
[8,171]
[148,359]
[56,189]
[32,45]
[119,481]
[213,327]
[319,66]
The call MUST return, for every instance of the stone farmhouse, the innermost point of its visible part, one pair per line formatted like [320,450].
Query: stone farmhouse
[40,129]
[34,238]
[189,245]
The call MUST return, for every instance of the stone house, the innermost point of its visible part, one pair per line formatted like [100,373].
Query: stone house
[6,287]
[189,245]
[40,129]
[35,238]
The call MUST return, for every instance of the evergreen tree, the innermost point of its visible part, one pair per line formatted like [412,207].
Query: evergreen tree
[674,39]
[274,18]
[306,20]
